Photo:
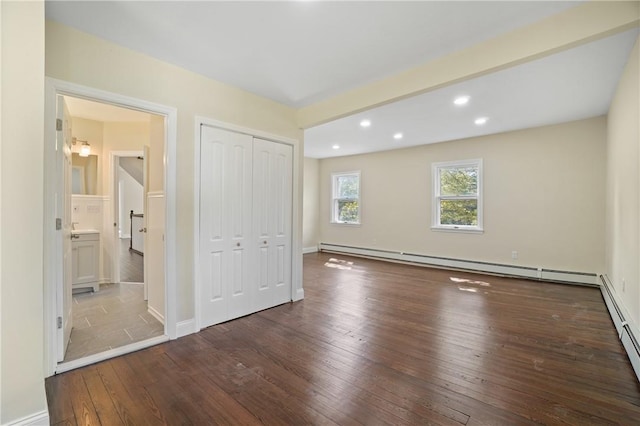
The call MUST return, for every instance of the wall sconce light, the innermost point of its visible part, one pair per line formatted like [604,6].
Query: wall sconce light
[85,148]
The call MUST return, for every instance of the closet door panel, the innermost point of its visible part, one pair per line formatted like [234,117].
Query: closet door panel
[225,224]
[282,223]
[272,220]
[239,186]
[216,276]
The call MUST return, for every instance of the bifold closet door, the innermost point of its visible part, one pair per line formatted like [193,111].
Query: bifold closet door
[272,206]
[225,225]
[246,190]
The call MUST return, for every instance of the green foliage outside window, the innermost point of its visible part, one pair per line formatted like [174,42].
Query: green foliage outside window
[459,182]
[459,212]
[346,196]
[348,211]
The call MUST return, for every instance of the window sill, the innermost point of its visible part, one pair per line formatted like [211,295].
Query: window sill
[461,230]
[345,223]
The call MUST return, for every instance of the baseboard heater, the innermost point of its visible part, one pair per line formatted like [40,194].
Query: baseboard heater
[626,333]
[528,272]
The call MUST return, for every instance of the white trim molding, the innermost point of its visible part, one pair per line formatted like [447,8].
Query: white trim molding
[40,418]
[112,353]
[186,327]
[154,313]
[534,273]
[437,197]
[628,331]
[308,250]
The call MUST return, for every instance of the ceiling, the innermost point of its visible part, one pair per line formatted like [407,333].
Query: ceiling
[300,52]
[83,108]
[572,85]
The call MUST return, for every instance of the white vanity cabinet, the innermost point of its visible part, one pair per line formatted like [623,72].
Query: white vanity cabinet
[85,259]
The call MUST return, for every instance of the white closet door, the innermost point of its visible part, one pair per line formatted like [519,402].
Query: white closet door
[225,225]
[272,213]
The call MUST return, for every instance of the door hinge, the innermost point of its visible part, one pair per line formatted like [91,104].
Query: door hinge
[59,322]
[58,124]
[58,223]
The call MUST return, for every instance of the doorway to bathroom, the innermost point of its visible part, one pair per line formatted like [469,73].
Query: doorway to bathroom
[103,300]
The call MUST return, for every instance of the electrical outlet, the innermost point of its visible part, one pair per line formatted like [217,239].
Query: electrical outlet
[514,254]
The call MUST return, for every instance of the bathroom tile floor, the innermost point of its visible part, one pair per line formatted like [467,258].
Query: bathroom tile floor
[112,317]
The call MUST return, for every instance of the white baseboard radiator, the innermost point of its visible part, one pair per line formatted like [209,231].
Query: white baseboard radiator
[628,336]
[541,274]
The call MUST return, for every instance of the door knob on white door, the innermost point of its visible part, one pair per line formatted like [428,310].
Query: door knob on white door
[142,230]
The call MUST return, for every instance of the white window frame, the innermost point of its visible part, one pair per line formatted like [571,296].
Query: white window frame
[335,200]
[437,197]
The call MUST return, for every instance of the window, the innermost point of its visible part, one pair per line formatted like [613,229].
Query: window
[346,198]
[457,196]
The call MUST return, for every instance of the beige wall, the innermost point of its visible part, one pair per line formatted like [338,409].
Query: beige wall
[108,136]
[22,211]
[543,197]
[623,188]
[83,59]
[311,207]
[121,136]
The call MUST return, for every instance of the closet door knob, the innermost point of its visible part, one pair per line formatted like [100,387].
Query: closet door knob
[238,244]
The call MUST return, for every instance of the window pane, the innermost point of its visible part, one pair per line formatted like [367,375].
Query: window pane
[459,212]
[459,181]
[347,186]
[348,211]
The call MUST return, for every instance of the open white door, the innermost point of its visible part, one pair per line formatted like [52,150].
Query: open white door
[63,240]
[145,217]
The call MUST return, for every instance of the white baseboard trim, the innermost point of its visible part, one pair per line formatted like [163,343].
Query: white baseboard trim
[155,314]
[38,419]
[627,330]
[186,327]
[535,273]
[112,353]
[299,294]
[307,250]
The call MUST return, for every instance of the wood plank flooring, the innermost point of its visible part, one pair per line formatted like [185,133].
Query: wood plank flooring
[131,263]
[376,343]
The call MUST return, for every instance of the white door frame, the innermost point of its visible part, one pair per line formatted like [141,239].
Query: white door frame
[297,291]
[54,87]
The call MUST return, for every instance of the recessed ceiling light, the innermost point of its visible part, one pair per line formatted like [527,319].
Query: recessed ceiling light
[365,123]
[481,120]
[461,100]
[336,147]
[397,136]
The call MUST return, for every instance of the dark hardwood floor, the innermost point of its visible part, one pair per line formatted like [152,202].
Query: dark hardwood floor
[131,263]
[376,343]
